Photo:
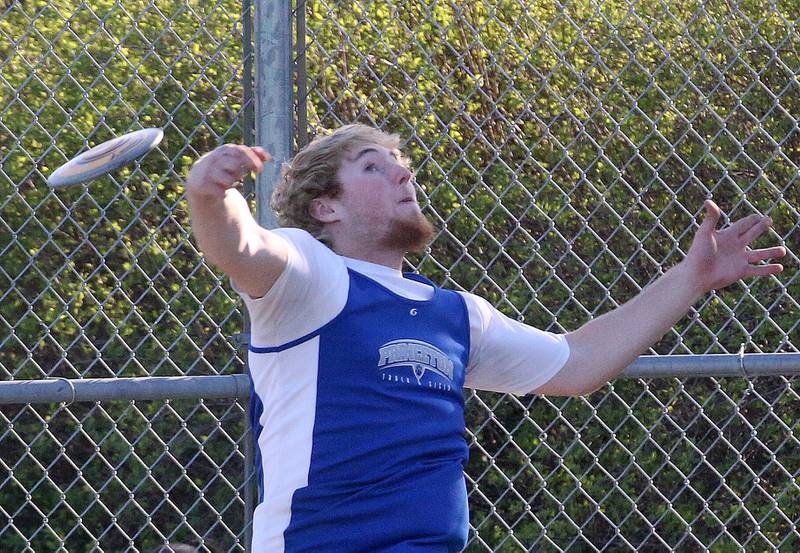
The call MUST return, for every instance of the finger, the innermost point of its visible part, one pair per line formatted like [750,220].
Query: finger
[237,166]
[756,230]
[254,162]
[242,159]
[763,270]
[711,218]
[756,256]
[262,154]
[744,224]
[225,177]
[232,175]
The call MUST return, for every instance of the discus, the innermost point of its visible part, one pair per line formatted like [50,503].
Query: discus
[105,158]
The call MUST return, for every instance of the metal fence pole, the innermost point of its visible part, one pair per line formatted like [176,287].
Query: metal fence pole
[747,365]
[249,185]
[154,388]
[273,90]
[145,388]
[273,125]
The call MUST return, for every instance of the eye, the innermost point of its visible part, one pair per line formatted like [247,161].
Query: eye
[370,167]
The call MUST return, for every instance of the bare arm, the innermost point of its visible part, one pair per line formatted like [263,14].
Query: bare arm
[602,348]
[225,230]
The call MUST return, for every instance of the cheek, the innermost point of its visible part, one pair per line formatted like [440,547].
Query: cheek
[367,203]
[371,207]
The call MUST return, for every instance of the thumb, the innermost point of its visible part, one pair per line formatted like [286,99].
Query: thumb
[711,217]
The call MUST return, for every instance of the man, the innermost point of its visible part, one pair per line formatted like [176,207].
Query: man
[358,370]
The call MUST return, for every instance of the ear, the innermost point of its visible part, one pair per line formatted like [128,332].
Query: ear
[324,209]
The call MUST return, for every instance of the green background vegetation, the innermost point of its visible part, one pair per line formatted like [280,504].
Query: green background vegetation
[564,151]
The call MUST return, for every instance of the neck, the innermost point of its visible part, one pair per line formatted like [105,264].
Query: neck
[384,245]
[391,259]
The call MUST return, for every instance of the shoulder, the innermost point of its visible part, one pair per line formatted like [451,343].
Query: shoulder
[307,252]
[300,238]
[295,234]
[311,290]
[479,310]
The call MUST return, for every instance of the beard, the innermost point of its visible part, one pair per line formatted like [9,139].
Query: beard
[412,235]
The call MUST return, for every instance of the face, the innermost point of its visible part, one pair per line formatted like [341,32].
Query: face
[378,200]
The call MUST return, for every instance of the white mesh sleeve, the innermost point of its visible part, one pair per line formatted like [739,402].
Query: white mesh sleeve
[509,356]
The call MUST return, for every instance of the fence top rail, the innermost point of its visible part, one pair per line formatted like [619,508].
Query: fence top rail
[56,390]
[745,365]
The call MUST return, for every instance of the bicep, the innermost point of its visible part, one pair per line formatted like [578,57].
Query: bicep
[262,260]
[567,381]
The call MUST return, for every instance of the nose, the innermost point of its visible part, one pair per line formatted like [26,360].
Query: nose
[403,175]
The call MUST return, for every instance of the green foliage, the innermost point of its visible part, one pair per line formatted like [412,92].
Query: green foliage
[103,280]
[564,150]
[131,476]
[107,272]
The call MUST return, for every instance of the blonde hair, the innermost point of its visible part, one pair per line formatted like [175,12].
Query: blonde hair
[312,174]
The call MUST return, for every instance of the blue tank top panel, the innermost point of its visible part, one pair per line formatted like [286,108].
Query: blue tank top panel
[388,449]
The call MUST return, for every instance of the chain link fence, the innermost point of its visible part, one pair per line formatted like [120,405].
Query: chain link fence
[564,151]
[103,281]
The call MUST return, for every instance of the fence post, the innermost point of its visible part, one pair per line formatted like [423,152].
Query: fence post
[273,90]
[273,131]
[248,138]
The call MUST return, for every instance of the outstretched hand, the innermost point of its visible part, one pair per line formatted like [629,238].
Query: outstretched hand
[719,258]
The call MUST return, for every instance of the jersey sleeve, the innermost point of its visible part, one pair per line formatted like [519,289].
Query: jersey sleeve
[311,291]
[507,355]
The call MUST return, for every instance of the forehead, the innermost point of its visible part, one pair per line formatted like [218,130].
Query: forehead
[358,151]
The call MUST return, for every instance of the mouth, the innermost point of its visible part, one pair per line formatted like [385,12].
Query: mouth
[407,200]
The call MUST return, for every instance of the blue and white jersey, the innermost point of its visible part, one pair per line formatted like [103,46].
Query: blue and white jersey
[357,404]
[384,451]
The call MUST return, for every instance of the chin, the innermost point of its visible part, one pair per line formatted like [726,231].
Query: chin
[412,234]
